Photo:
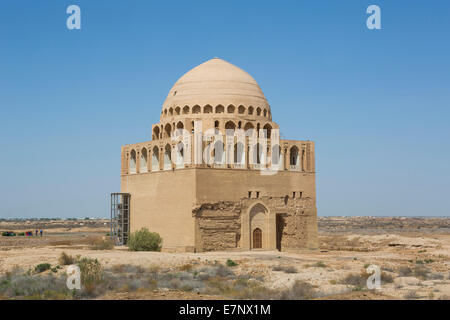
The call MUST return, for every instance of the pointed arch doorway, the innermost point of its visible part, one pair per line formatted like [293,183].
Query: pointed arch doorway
[258,230]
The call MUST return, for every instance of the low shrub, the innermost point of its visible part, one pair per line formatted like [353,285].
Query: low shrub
[355,279]
[214,271]
[231,263]
[213,279]
[386,278]
[404,271]
[320,264]
[286,269]
[154,268]
[25,286]
[300,290]
[223,271]
[127,268]
[186,267]
[420,271]
[42,267]
[144,240]
[435,276]
[411,295]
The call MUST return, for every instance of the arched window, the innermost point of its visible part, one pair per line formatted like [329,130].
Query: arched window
[220,109]
[265,113]
[239,155]
[294,159]
[167,131]
[186,110]
[207,109]
[177,111]
[268,130]
[171,111]
[155,133]
[179,128]
[241,109]
[276,156]
[143,161]
[230,125]
[196,109]
[165,112]
[250,110]
[258,111]
[132,164]
[303,159]
[168,157]
[155,159]
[179,152]
[230,109]
[258,150]
[248,126]
[219,153]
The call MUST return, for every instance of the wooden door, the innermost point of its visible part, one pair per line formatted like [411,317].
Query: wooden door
[257,238]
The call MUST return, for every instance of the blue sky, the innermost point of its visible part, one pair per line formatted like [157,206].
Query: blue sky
[376,102]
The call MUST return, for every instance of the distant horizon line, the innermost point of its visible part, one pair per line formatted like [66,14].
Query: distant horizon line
[319,216]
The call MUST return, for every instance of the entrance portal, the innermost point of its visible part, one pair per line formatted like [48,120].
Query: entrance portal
[257,238]
[280,227]
[259,224]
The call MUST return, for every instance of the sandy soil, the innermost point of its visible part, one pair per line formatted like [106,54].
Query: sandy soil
[341,253]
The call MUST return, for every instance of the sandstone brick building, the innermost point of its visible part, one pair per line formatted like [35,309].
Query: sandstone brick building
[199,198]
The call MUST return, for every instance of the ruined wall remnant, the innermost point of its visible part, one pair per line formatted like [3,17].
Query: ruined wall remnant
[296,222]
[218,226]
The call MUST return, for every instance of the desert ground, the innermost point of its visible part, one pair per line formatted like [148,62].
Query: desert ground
[412,253]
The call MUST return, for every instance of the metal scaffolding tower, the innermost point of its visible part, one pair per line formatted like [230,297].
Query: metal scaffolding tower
[120,218]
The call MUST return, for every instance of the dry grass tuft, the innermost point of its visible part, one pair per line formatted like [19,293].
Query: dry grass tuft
[91,274]
[420,272]
[404,271]
[411,295]
[61,243]
[102,244]
[285,269]
[300,290]
[65,259]
[359,281]
[319,264]
[186,267]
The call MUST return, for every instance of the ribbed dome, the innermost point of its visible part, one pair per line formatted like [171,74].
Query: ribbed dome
[216,82]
